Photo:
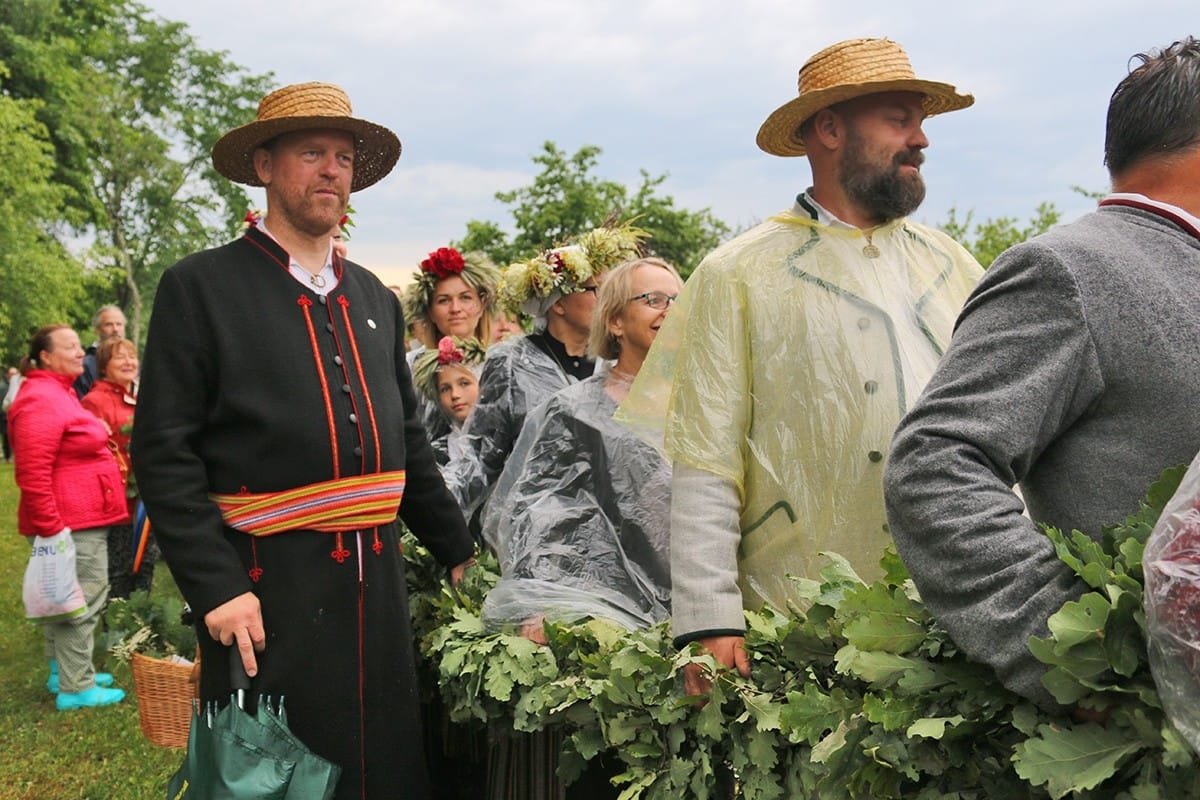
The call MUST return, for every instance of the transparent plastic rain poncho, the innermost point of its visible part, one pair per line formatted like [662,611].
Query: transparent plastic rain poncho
[579,518]
[517,375]
[1171,564]
[799,355]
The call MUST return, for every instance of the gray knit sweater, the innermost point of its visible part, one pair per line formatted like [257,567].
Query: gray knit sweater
[1074,370]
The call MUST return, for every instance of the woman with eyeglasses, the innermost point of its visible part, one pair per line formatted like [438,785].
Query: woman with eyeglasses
[557,289]
[579,515]
[113,398]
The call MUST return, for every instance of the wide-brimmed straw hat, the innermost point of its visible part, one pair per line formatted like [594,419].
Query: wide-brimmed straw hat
[846,70]
[300,107]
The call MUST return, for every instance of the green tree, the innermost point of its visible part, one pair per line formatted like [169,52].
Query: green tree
[566,199]
[992,237]
[41,280]
[133,105]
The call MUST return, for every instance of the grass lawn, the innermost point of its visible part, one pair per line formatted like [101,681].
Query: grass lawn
[51,755]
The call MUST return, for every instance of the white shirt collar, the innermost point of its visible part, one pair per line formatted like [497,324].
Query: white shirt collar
[323,282]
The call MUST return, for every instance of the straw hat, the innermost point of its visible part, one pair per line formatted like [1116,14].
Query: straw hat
[846,70]
[307,106]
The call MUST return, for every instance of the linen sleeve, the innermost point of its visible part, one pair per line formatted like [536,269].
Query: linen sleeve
[1020,368]
[705,597]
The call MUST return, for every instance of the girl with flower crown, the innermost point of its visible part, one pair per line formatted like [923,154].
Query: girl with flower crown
[448,377]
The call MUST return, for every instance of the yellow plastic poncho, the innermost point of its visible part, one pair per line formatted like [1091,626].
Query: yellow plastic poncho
[785,367]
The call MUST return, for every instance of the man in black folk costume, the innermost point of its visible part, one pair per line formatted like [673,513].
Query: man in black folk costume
[276,433]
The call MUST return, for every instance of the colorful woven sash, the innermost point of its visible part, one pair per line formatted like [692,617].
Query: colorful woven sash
[342,504]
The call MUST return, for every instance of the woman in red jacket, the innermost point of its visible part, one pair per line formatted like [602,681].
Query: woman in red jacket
[113,399]
[69,481]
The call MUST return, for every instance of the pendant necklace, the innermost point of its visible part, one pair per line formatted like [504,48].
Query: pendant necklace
[317,281]
[870,250]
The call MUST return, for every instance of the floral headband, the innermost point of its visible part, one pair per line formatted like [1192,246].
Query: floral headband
[256,215]
[474,268]
[346,223]
[532,286]
[467,353]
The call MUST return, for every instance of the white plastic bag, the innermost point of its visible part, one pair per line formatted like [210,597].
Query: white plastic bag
[52,592]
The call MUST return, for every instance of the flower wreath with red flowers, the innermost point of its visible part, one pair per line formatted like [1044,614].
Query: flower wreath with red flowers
[451,351]
[476,270]
[252,218]
[346,223]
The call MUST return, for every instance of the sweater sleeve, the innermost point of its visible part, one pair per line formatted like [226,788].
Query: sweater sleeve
[1020,368]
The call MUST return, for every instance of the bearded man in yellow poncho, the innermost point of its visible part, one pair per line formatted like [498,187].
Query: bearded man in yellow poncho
[796,348]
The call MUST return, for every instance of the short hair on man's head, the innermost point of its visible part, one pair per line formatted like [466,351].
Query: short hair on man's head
[100,312]
[611,300]
[1155,110]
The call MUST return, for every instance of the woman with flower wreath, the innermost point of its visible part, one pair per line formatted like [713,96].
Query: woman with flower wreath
[453,295]
[557,288]
[579,517]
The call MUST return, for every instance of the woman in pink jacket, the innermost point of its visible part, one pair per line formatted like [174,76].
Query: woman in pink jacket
[69,481]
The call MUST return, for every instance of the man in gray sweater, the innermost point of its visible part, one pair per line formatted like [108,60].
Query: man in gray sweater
[1074,371]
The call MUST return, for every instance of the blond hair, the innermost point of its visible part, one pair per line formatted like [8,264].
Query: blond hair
[611,300]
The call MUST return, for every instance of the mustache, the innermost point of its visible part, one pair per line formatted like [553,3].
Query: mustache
[912,157]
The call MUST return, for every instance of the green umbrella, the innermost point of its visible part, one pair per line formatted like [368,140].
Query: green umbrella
[234,755]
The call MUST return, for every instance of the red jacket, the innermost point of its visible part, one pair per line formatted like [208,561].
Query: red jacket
[110,402]
[67,475]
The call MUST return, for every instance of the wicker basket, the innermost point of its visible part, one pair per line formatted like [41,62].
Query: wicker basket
[165,692]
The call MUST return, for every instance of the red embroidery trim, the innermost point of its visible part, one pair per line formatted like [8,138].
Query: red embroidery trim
[345,304]
[306,303]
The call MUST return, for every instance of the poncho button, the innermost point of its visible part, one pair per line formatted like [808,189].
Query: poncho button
[346,388]
[870,387]
[354,418]
[337,360]
[321,299]
[875,456]
[329,327]
[358,451]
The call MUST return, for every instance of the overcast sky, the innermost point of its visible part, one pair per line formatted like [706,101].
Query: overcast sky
[473,89]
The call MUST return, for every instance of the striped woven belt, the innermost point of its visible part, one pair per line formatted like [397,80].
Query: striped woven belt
[342,504]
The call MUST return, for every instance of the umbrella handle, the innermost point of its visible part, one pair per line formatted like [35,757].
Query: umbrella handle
[238,679]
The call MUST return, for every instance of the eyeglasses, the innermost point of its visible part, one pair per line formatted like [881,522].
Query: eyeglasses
[656,300]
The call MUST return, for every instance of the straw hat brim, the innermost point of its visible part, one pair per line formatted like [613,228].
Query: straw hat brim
[376,149]
[780,134]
